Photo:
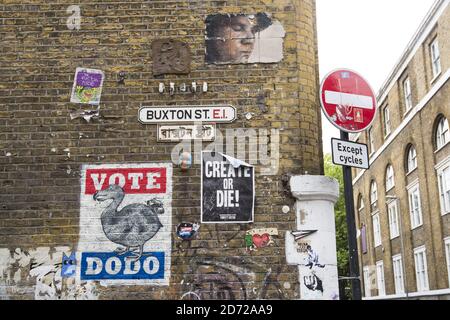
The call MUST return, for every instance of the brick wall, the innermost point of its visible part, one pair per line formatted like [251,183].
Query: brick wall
[42,149]
[419,131]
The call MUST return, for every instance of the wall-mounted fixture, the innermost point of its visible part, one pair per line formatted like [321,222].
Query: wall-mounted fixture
[194,87]
[122,76]
[162,87]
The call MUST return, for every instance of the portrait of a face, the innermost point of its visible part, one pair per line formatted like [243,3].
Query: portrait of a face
[238,38]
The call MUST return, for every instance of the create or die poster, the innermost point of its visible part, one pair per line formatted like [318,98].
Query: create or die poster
[228,189]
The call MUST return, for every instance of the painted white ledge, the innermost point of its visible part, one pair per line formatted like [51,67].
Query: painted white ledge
[442,81]
[431,293]
[309,188]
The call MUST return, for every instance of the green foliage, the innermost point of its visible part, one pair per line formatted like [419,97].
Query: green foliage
[335,172]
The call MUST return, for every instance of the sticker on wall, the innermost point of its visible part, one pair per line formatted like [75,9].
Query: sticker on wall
[87,86]
[187,231]
[185,161]
[241,38]
[260,238]
[125,223]
[228,189]
[68,266]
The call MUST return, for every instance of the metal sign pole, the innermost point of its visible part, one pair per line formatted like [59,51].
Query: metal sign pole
[351,227]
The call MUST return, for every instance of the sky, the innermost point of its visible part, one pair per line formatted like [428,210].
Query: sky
[367,36]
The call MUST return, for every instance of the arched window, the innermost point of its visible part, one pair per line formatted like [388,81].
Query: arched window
[442,133]
[411,159]
[390,182]
[373,192]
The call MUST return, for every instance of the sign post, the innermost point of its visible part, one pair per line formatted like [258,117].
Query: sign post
[349,103]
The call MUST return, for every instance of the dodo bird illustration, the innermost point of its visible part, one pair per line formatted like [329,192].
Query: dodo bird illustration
[133,225]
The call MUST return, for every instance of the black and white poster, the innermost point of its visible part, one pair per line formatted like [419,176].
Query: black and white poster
[228,189]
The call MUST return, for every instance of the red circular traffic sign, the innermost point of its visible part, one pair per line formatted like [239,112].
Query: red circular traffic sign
[348,101]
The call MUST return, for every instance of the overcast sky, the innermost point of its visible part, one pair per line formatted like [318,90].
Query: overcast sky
[367,36]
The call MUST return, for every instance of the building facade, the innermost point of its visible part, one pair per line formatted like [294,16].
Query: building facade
[402,203]
[95,98]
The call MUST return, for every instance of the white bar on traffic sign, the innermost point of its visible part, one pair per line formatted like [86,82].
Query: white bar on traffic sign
[347,99]
[350,154]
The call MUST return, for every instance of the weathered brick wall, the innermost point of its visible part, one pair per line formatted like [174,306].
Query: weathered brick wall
[42,148]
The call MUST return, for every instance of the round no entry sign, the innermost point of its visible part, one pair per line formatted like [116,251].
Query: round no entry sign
[348,101]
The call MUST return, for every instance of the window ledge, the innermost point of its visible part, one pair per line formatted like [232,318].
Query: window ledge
[395,237]
[445,213]
[407,111]
[408,173]
[392,187]
[445,144]
[416,227]
[436,77]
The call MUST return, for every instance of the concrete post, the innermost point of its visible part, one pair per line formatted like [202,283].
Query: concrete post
[312,247]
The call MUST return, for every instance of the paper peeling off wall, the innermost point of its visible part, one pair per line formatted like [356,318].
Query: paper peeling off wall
[40,269]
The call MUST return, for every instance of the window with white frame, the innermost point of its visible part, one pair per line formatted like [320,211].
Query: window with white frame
[360,203]
[371,141]
[435,58]
[376,229]
[373,192]
[380,279]
[442,133]
[407,93]
[412,159]
[447,255]
[398,274]
[387,121]
[420,260]
[444,188]
[393,219]
[367,285]
[390,182]
[415,207]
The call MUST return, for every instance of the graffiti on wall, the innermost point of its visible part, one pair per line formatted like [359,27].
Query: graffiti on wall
[125,223]
[240,38]
[232,279]
[43,267]
[313,254]
[260,238]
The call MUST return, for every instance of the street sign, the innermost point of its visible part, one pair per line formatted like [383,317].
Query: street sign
[186,114]
[348,101]
[350,154]
[176,133]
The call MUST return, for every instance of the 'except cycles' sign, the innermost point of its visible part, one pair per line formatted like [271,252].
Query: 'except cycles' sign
[350,154]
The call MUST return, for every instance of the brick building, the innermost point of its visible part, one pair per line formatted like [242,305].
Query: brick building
[402,201]
[55,135]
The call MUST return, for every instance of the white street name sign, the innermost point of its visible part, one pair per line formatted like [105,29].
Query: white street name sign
[183,114]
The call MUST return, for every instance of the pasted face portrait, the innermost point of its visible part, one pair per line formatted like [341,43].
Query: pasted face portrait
[233,39]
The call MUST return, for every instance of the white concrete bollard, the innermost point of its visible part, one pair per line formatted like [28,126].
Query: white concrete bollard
[312,247]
